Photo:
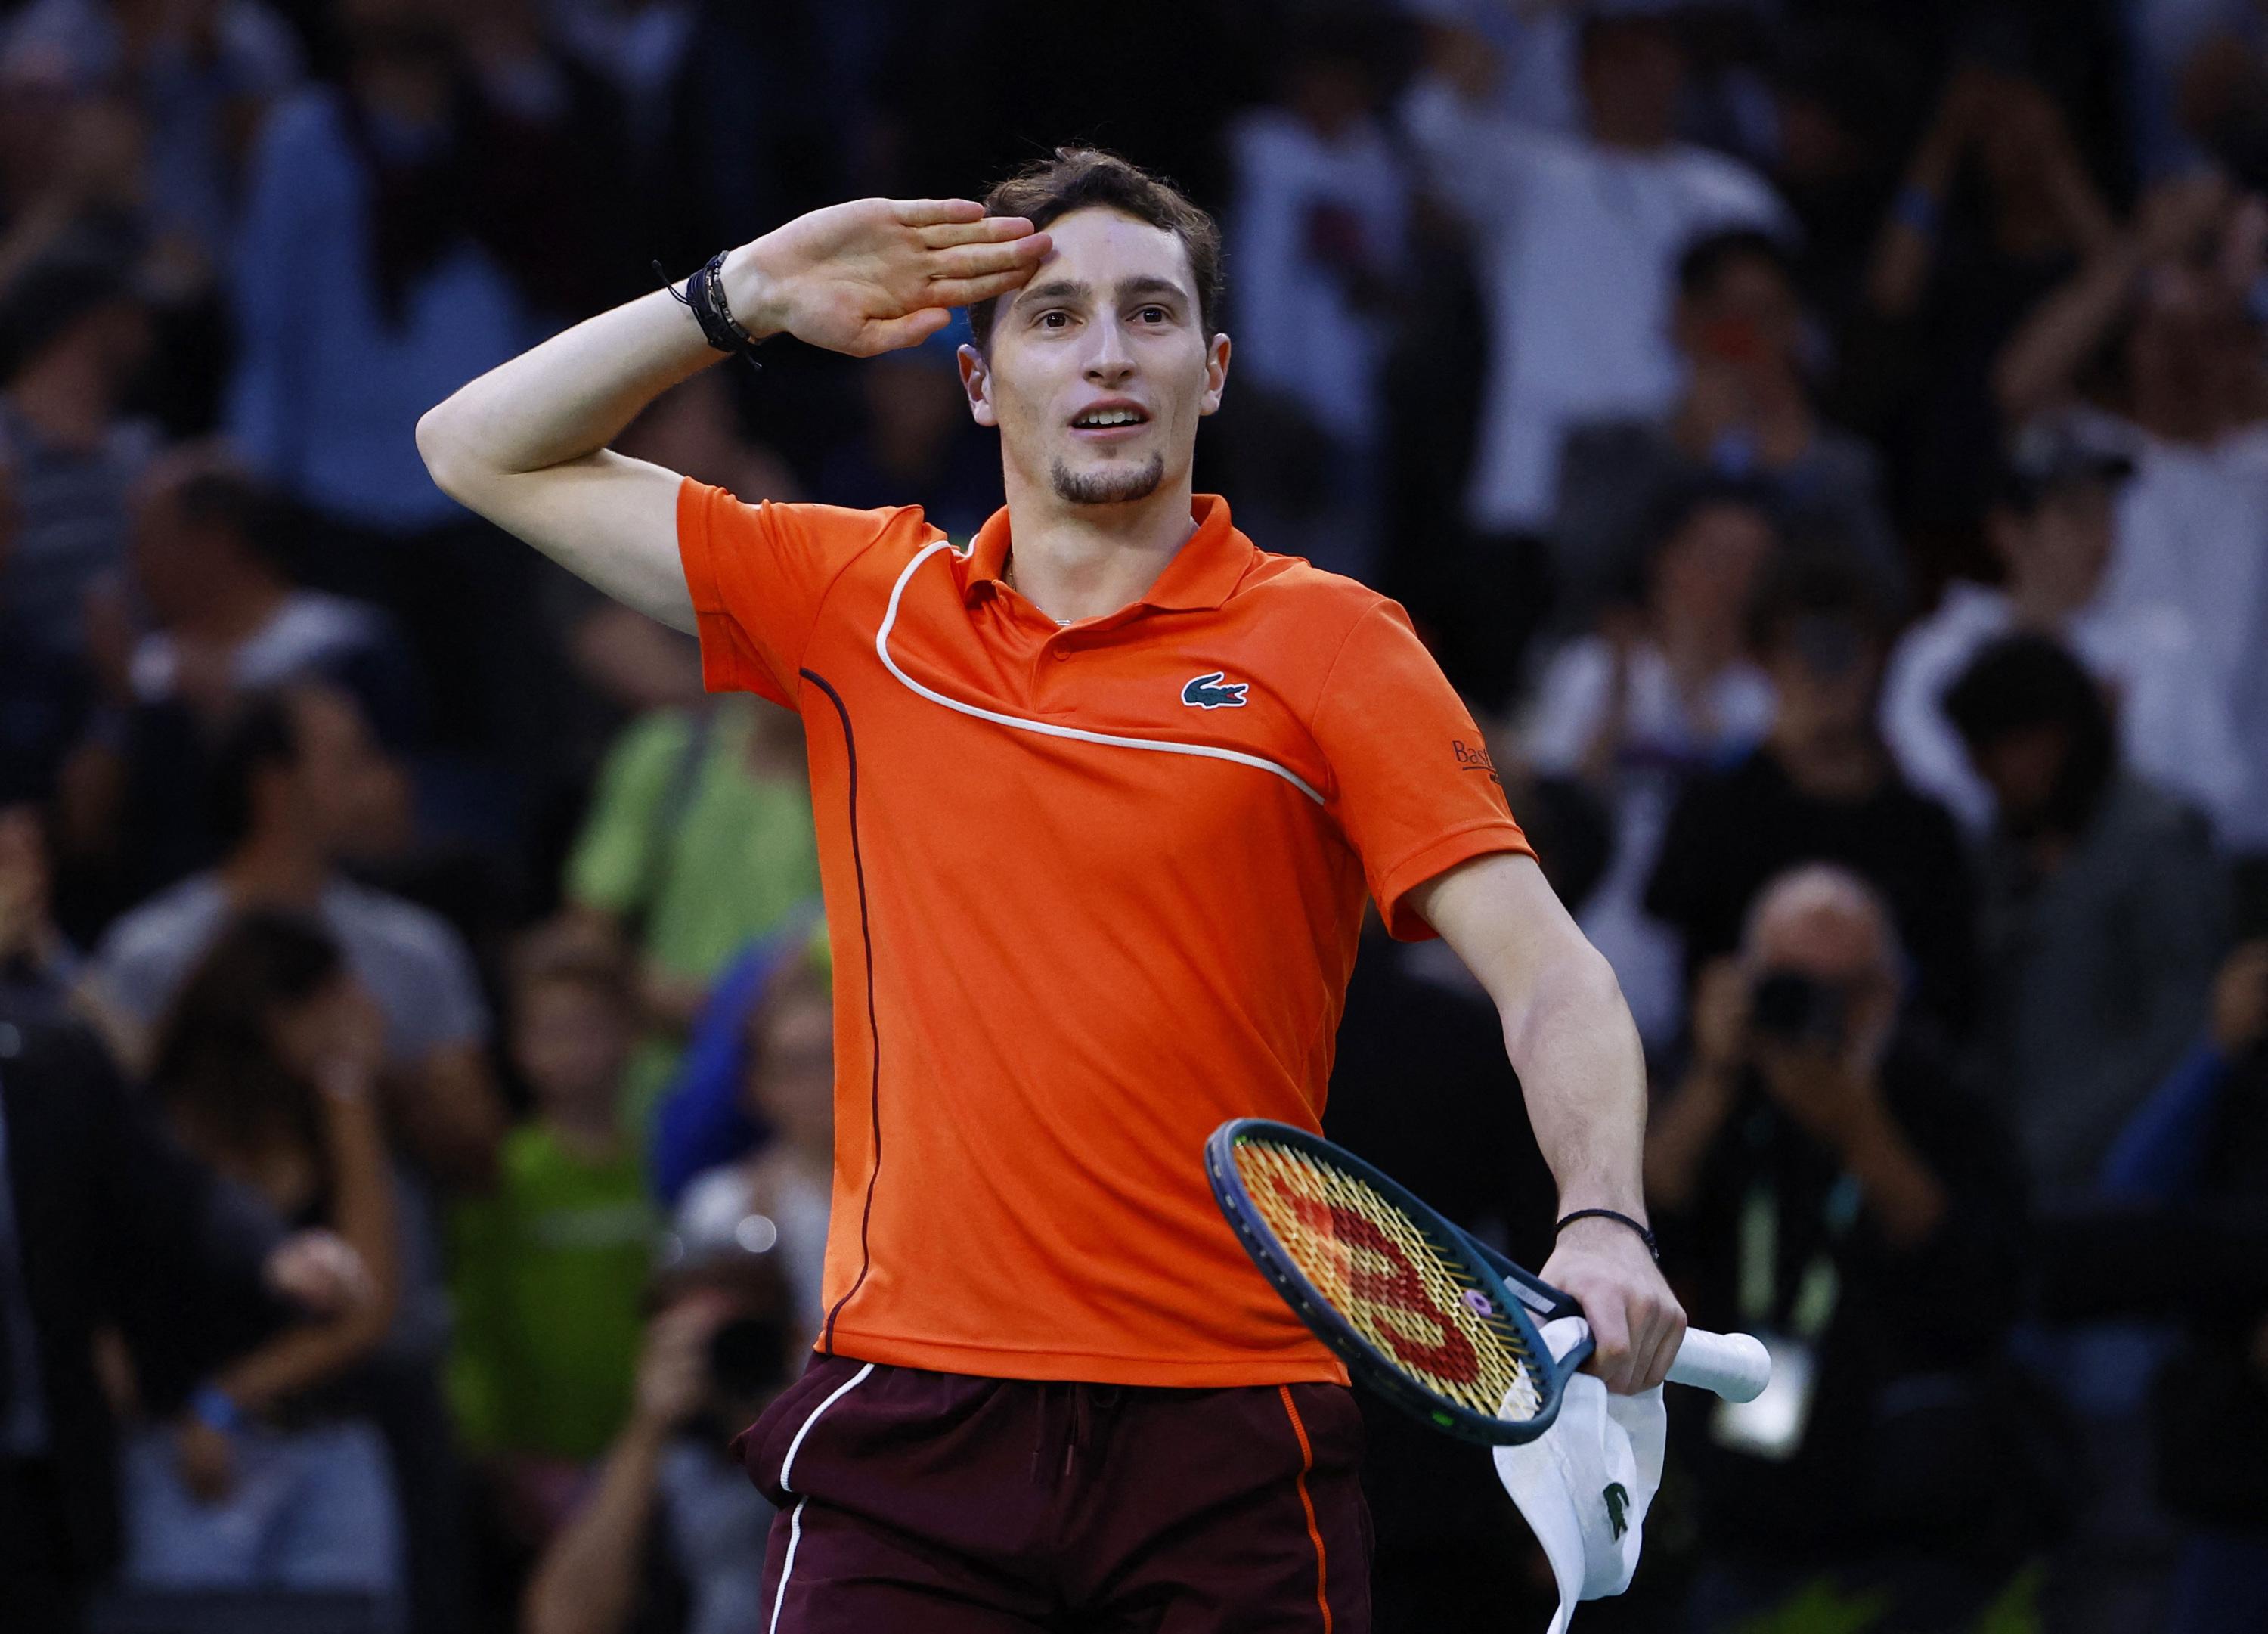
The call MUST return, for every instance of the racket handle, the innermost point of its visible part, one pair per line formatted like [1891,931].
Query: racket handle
[1732,1365]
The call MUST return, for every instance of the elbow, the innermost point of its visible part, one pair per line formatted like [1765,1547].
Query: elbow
[441,446]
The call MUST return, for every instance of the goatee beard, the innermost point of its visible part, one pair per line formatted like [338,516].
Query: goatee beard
[1109,486]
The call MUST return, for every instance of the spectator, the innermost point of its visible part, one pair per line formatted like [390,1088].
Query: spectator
[273,1475]
[1996,209]
[39,967]
[45,694]
[293,787]
[1821,788]
[203,73]
[105,1222]
[784,1190]
[2160,324]
[208,556]
[2052,528]
[365,191]
[918,443]
[2104,908]
[72,334]
[698,841]
[1663,691]
[1823,1182]
[672,1538]
[1316,233]
[1745,414]
[1577,290]
[548,1269]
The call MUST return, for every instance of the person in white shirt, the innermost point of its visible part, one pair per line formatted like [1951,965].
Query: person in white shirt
[1662,689]
[1317,235]
[1578,237]
[2055,529]
[2167,313]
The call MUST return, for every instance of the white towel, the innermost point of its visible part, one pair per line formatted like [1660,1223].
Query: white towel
[1586,1483]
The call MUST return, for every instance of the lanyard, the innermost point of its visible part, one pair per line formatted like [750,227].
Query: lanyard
[1819,1286]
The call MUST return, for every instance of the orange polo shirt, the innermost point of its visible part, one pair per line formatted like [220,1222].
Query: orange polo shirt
[1091,890]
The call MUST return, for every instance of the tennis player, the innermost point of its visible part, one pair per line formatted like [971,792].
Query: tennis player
[1099,799]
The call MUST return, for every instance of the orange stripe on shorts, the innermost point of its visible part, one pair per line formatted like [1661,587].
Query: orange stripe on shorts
[1315,1533]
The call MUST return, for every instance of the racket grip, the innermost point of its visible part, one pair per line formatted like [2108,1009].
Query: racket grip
[1732,1364]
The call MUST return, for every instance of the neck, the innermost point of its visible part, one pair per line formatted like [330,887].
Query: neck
[275,868]
[63,397]
[1075,562]
[2042,606]
[589,1132]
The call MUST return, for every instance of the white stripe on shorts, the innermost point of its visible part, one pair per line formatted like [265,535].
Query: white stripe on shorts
[795,1518]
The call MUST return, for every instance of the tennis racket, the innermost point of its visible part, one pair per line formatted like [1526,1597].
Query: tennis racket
[1439,1323]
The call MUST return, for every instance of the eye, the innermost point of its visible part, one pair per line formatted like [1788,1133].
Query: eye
[1056,319]
[1153,315]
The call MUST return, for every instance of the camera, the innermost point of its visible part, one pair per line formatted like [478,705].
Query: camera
[1794,1008]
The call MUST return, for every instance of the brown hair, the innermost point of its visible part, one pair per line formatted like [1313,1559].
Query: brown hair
[1091,179]
[566,953]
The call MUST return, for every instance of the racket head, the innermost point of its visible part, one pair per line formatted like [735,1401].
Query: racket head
[1401,1295]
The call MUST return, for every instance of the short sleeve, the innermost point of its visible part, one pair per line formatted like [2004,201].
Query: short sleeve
[757,575]
[1412,786]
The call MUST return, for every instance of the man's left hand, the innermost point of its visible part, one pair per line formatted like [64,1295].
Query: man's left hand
[320,1272]
[1636,1322]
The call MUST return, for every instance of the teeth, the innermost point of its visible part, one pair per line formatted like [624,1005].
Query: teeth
[1110,416]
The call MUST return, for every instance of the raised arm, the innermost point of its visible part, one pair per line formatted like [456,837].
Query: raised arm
[525,444]
[1570,1037]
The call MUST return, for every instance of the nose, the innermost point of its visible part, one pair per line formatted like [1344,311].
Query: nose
[1110,363]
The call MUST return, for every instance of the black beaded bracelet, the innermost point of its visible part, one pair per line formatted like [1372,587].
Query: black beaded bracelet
[704,294]
[1645,1236]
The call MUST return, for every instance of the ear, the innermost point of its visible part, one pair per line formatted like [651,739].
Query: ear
[977,384]
[1215,374]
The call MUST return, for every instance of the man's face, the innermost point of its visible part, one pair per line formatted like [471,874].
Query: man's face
[2023,768]
[340,775]
[1633,73]
[570,1041]
[1748,318]
[1825,670]
[2061,548]
[1098,370]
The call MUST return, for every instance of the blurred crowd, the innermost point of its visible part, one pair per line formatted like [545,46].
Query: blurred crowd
[1826,442]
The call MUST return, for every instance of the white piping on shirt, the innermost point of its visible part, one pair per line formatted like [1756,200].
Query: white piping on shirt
[1049,728]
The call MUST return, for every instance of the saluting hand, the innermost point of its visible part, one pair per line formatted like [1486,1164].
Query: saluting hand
[875,274]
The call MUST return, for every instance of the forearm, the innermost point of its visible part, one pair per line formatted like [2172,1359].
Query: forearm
[1572,1042]
[587,1580]
[2042,360]
[566,398]
[1904,1195]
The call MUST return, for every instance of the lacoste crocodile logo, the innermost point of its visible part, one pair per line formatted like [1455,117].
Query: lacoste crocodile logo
[1214,691]
[1617,1500]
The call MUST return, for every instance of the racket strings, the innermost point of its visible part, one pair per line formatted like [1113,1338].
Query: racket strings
[1406,1294]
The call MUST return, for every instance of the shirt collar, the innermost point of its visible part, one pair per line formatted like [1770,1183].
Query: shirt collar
[1201,575]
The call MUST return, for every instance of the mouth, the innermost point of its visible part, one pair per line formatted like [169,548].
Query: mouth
[1113,420]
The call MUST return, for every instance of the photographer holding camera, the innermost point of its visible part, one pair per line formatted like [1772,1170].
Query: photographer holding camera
[671,1537]
[1834,1191]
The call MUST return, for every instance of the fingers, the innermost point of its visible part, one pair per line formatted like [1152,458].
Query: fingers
[980,261]
[911,330]
[935,212]
[968,292]
[1610,1338]
[991,229]
[1666,1329]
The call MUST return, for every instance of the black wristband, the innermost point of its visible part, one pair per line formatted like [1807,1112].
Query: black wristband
[704,294]
[1645,1236]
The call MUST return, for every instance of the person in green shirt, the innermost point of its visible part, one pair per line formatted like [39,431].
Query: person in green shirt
[548,1272]
[698,841]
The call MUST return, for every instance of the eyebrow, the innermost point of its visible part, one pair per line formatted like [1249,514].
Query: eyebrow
[1068,289]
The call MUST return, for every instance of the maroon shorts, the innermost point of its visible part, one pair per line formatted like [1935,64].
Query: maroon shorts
[925,1502]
